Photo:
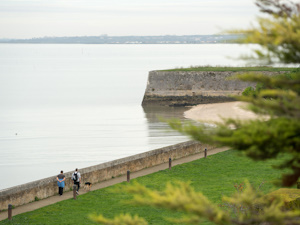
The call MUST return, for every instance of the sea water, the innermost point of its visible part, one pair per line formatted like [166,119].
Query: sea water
[69,106]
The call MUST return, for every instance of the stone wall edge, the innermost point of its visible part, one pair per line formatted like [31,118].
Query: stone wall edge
[47,187]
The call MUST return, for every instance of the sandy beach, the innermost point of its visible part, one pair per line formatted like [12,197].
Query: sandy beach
[212,113]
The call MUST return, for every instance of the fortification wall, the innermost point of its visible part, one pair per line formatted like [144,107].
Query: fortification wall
[182,88]
[47,187]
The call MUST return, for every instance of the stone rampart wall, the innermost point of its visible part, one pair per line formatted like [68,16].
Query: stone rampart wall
[47,187]
[182,88]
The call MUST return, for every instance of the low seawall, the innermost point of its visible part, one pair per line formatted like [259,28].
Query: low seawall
[22,194]
[186,88]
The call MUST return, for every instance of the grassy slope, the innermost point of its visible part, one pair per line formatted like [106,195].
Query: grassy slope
[234,69]
[214,176]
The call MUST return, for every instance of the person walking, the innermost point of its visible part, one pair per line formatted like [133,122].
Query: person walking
[77,179]
[61,182]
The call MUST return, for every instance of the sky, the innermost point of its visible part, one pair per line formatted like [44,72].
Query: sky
[40,18]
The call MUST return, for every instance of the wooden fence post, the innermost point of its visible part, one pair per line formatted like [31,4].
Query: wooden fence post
[9,211]
[128,176]
[74,191]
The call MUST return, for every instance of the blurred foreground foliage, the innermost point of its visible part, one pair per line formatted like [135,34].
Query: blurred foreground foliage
[246,206]
[275,133]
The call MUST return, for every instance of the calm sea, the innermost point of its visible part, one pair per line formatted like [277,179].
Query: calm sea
[69,106]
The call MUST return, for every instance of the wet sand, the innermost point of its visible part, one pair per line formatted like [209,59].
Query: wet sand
[212,113]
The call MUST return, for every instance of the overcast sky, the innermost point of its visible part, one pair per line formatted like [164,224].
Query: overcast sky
[39,18]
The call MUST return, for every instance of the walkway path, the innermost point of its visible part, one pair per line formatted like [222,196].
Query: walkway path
[51,200]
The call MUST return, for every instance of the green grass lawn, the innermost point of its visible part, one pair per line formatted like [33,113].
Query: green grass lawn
[233,69]
[214,176]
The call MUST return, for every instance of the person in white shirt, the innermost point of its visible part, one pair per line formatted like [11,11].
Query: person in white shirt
[77,179]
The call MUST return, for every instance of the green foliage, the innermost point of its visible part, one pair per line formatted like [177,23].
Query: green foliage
[263,138]
[214,177]
[276,97]
[123,219]
[257,208]
[277,35]
[249,91]
[180,197]
[253,92]
[278,7]
[247,206]
[291,197]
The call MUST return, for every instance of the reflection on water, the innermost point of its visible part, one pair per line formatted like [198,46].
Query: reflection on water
[154,113]
[157,126]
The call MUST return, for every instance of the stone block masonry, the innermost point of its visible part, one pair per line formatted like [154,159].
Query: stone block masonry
[22,194]
[187,88]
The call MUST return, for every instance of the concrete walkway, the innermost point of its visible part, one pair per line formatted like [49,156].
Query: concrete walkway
[51,200]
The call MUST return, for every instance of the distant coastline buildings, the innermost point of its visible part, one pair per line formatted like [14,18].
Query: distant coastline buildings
[105,39]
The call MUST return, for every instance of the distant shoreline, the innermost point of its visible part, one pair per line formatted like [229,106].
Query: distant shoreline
[105,39]
[117,43]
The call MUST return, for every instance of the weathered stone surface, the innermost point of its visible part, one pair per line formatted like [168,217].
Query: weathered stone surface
[47,187]
[184,88]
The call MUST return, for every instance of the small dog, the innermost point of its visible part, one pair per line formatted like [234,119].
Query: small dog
[87,186]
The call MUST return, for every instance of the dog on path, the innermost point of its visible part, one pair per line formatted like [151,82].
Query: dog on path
[87,186]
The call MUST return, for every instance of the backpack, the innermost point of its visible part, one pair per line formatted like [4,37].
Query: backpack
[75,177]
